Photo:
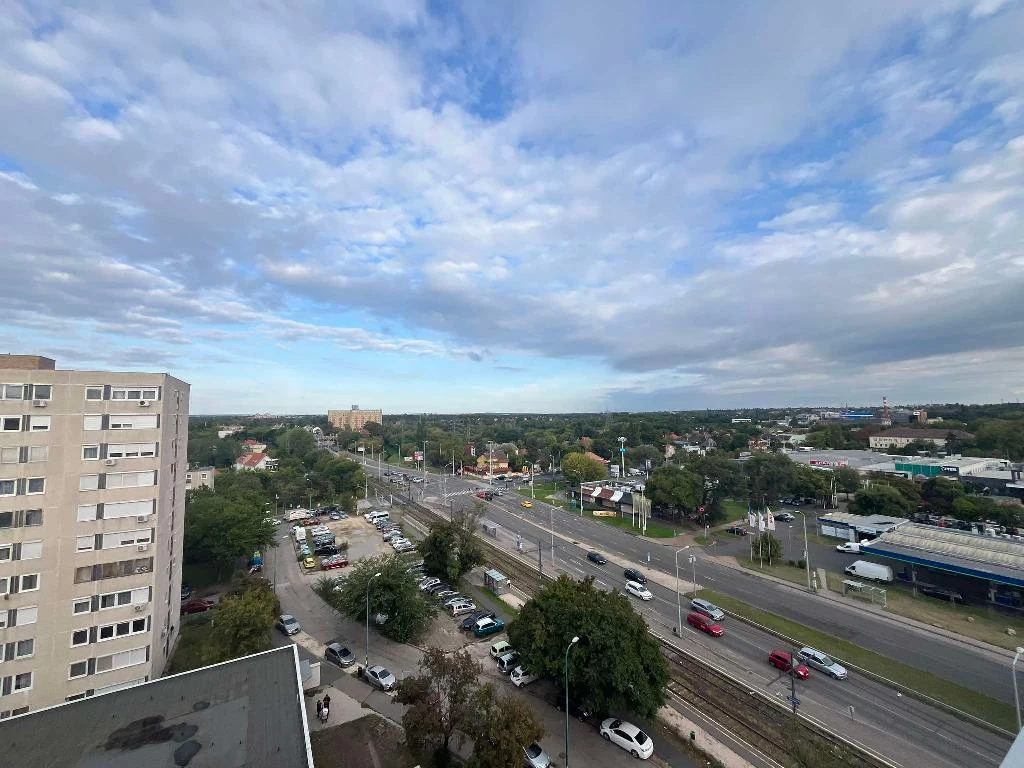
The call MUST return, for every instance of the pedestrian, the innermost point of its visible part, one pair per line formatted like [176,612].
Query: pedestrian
[326,712]
[319,708]
[327,701]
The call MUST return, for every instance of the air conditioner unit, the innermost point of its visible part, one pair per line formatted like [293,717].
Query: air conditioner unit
[142,569]
[140,608]
[142,518]
[110,462]
[39,403]
[143,547]
[143,403]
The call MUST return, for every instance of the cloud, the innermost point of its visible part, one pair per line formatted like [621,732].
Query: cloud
[664,198]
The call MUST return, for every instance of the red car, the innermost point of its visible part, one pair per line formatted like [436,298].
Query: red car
[329,563]
[784,660]
[704,624]
[200,605]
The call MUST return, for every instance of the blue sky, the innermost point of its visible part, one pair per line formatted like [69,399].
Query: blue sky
[530,206]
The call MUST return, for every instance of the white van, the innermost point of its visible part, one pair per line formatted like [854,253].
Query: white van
[377,514]
[299,533]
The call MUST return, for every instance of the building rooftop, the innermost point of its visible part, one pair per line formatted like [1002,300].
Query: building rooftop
[863,521]
[924,434]
[245,712]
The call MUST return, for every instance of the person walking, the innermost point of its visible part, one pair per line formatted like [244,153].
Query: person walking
[327,701]
[319,709]
[326,713]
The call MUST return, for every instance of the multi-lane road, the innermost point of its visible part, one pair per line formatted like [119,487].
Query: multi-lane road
[900,728]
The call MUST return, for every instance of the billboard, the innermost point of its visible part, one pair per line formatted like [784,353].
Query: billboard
[417,455]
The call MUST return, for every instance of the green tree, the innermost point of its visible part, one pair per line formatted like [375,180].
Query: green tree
[806,481]
[939,493]
[579,468]
[241,623]
[614,646]
[880,500]
[639,456]
[223,527]
[452,548]
[847,480]
[769,476]
[442,705]
[906,487]
[766,546]
[675,491]
[722,477]
[393,594]
[503,725]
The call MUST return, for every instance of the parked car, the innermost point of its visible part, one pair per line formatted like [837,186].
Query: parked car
[380,677]
[445,593]
[336,561]
[822,662]
[704,624]
[396,543]
[308,562]
[186,591]
[940,593]
[288,624]
[326,549]
[456,598]
[339,654]
[486,627]
[473,618]
[628,737]
[405,546]
[461,609]
[638,590]
[337,516]
[710,610]
[439,587]
[507,662]
[521,676]
[848,546]
[786,517]
[736,530]
[199,605]
[500,648]
[783,660]
[632,574]
[596,557]
[534,756]
[428,582]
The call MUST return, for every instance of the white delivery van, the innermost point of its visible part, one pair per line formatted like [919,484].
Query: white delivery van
[377,514]
[873,571]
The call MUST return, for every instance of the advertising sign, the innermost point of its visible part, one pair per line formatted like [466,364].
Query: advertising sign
[417,455]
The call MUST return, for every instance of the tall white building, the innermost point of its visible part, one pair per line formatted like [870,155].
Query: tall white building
[92,505]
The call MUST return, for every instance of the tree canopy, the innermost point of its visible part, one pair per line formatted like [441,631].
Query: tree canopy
[393,594]
[503,725]
[617,665]
[579,468]
[881,500]
[242,620]
[675,492]
[452,548]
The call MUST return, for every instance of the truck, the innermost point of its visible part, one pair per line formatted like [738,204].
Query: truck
[870,571]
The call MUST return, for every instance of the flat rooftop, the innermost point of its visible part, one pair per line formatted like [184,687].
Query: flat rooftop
[862,521]
[853,458]
[245,712]
[968,554]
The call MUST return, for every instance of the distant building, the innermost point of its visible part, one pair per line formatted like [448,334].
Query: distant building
[354,419]
[595,457]
[228,431]
[200,477]
[254,446]
[492,462]
[901,437]
[759,445]
[255,462]
[741,421]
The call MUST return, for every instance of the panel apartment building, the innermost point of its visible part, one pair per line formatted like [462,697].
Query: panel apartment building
[355,418]
[92,506]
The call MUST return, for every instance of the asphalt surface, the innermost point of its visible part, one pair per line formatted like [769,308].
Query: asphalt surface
[901,728]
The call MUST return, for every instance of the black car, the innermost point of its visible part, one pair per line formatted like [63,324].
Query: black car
[736,530]
[326,549]
[941,593]
[785,517]
[597,557]
[632,574]
[470,621]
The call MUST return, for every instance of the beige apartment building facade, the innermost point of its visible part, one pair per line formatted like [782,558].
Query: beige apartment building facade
[92,494]
[354,419]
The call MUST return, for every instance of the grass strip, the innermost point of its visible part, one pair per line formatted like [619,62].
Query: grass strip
[654,530]
[977,704]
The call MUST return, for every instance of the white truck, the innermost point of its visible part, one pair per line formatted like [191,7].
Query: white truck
[871,571]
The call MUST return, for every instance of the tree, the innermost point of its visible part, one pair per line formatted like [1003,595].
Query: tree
[579,468]
[452,548]
[769,475]
[221,527]
[767,546]
[723,479]
[847,480]
[614,646]
[393,594]
[907,488]
[639,456]
[880,500]
[675,491]
[806,481]
[241,623]
[442,704]
[503,726]
[939,493]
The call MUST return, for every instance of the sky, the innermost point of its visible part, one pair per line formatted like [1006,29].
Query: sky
[519,206]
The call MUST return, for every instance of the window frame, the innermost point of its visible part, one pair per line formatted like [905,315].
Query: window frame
[93,388]
[91,458]
[10,450]
[28,481]
[21,582]
[4,391]
[37,396]
[48,420]
[44,448]
[71,669]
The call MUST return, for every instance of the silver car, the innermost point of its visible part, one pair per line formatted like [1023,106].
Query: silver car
[822,662]
[381,677]
[534,756]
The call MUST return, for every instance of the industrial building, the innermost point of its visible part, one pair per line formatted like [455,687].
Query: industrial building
[850,527]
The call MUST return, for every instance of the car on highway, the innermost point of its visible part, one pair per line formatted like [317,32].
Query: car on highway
[783,660]
[485,495]
[534,756]
[638,590]
[632,574]
[199,605]
[736,530]
[628,737]
[822,662]
[486,627]
[339,654]
[596,557]
[527,503]
[288,624]
[710,610]
[521,676]
[704,624]
[308,562]
[473,618]
[381,677]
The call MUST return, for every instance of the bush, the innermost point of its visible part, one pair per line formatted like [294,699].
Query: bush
[801,564]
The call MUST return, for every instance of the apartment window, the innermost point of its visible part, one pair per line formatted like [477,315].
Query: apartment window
[88,482]
[8,487]
[133,421]
[39,423]
[42,392]
[92,423]
[9,455]
[23,682]
[31,550]
[79,637]
[5,552]
[86,512]
[23,649]
[36,485]
[38,453]
[12,391]
[131,450]
[87,573]
[85,543]
[24,616]
[132,393]
[33,517]
[29,582]
[127,538]
[10,424]
[90,452]
[94,393]
[128,508]
[78,669]
[3,591]
[122,659]
[121,629]
[131,479]
[6,519]
[81,605]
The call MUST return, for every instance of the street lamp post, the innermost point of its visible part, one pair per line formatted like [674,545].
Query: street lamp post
[424,465]
[575,640]
[679,604]
[693,562]
[1016,699]
[807,558]
[366,661]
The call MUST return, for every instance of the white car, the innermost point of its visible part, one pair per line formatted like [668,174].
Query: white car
[535,756]
[812,657]
[848,546]
[461,609]
[429,582]
[627,736]
[638,590]
[380,677]
[521,676]
[406,547]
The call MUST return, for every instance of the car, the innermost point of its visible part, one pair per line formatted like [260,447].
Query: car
[445,593]
[822,662]
[186,591]
[786,517]
[339,654]
[632,574]
[596,557]
[199,605]
[417,480]
[534,756]
[439,587]
[461,609]
[456,598]
[638,590]
[628,737]
[288,624]
[521,676]
[406,546]
[308,562]
[396,543]
[507,662]
[848,546]
[527,503]
[473,618]
[736,530]
[704,624]
[429,582]
[337,561]
[380,677]
[488,626]
[783,660]
[335,516]
[326,549]
[710,610]
[940,593]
